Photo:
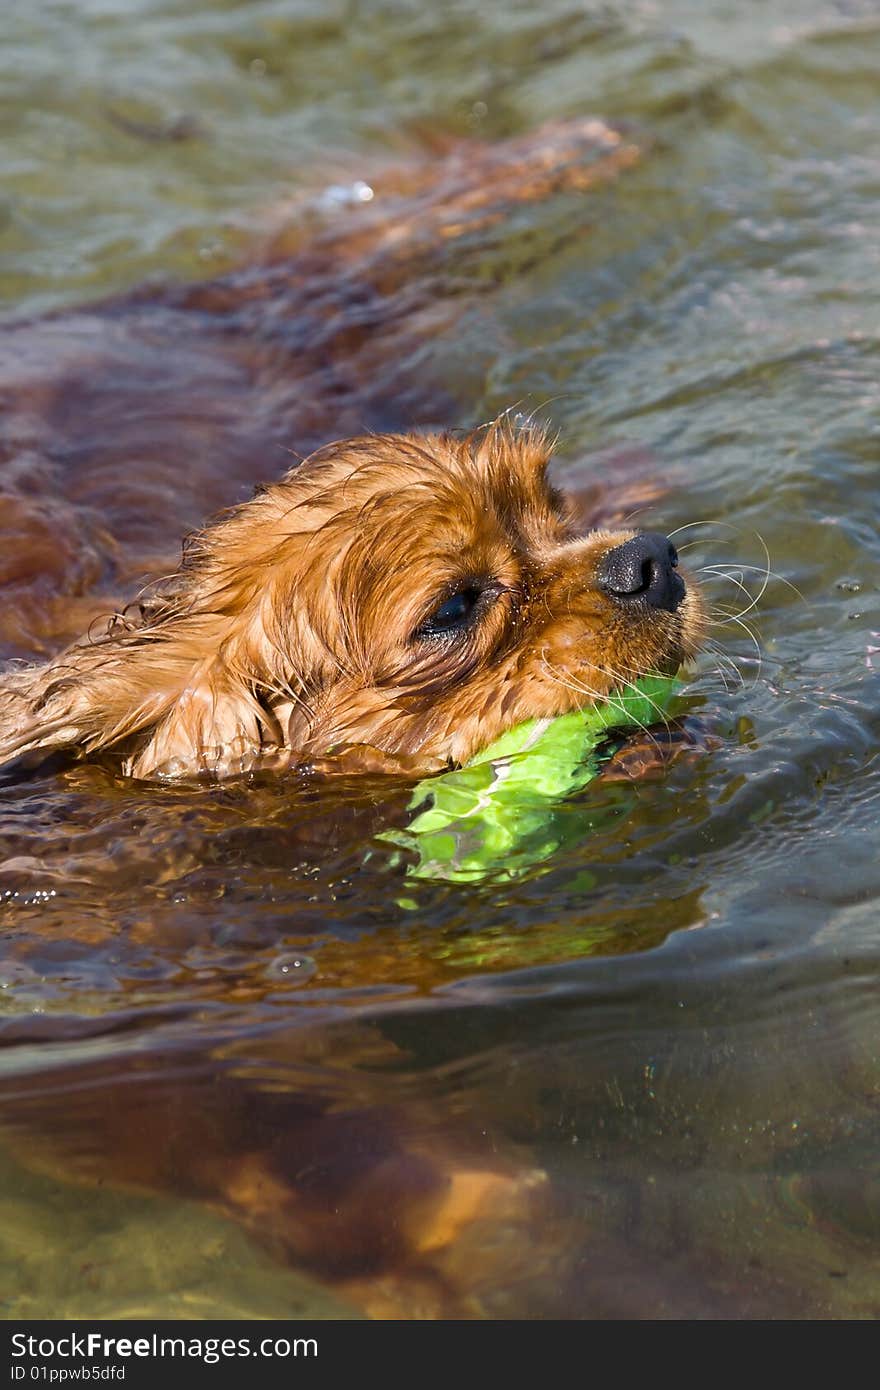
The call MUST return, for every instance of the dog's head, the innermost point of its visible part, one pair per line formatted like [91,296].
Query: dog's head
[411,595]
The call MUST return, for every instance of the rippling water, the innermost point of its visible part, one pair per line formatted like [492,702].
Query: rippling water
[677,1018]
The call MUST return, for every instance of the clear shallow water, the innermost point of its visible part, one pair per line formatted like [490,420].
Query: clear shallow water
[677,1018]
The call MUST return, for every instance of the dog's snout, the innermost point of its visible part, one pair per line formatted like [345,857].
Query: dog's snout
[643,569]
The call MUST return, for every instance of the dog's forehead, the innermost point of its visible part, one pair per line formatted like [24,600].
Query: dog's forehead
[432,532]
[500,460]
[437,501]
[462,521]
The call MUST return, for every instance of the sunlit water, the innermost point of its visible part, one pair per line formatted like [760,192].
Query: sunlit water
[676,1018]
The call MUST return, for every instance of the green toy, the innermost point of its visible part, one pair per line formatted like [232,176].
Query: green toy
[501,813]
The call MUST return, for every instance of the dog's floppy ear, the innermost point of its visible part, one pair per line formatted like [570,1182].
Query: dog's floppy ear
[177,705]
[213,725]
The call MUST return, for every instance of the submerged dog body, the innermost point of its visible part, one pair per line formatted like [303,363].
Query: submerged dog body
[396,601]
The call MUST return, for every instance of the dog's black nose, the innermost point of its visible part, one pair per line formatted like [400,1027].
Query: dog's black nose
[643,569]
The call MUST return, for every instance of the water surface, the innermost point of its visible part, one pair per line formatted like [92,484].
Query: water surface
[677,1017]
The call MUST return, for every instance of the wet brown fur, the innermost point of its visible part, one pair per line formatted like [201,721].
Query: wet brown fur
[289,629]
[294,628]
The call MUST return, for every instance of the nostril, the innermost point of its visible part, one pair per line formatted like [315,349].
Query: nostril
[643,569]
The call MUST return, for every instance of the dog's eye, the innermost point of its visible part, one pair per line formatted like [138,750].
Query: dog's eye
[453,616]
